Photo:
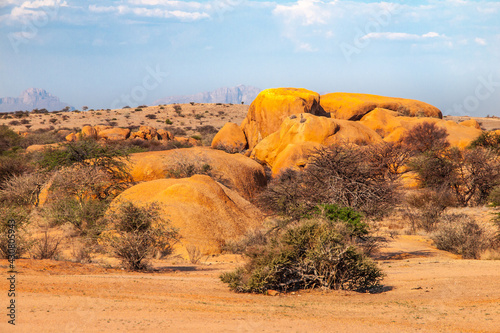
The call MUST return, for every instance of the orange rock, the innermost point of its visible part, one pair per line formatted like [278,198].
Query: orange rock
[146,133]
[471,123]
[353,106]
[71,137]
[33,148]
[236,171]
[63,132]
[230,138]
[393,127]
[99,128]
[206,213]
[272,107]
[165,135]
[114,134]
[188,141]
[289,146]
[89,132]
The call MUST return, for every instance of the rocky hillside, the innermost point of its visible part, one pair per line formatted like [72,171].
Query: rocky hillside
[234,95]
[32,98]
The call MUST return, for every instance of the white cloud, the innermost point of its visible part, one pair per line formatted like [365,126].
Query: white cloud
[149,12]
[480,41]
[305,12]
[400,36]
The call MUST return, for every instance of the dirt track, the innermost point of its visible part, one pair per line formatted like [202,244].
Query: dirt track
[425,290]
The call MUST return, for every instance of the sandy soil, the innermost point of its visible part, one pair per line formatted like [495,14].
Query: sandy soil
[187,117]
[425,290]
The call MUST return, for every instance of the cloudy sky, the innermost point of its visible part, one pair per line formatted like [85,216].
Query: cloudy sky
[104,53]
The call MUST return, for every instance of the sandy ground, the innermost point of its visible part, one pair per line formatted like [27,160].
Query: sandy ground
[425,290]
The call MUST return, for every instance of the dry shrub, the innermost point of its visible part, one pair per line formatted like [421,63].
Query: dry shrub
[425,208]
[312,253]
[139,233]
[194,254]
[339,174]
[46,248]
[460,234]
[23,190]
[470,174]
[22,242]
[425,137]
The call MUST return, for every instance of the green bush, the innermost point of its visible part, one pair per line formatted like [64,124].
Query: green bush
[313,253]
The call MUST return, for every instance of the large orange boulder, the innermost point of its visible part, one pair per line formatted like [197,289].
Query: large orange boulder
[236,171]
[165,135]
[353,106]
[89,132]
[114,134]
[289,146]
[272,106]
[230,138]
[146,133]
[206,213]
[393,127]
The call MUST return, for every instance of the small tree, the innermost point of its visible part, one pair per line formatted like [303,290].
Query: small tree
[139,233]
[426,136]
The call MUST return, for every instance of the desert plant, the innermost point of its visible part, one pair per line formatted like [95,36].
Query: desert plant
[23,189]
[139,233]
[308,254]
[194,254]
[426,136]
[22,243]
[490,140]
[8,139]
[425,208]
[46,248]
[87,153]
[460,234]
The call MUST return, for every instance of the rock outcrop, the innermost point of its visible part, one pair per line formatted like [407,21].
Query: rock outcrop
[206,213]
[230,138]
[393,127]
[238,172]
[298,134]
[272,107]
[352,106]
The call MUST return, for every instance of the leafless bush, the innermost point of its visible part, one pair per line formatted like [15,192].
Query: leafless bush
[46,248]
[342,175]
[390,157]
[194,254]
[426,136]
[425,208]
[23,189]
[461,234]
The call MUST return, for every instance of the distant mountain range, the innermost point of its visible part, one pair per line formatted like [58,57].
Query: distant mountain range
[234,95]
[32,98]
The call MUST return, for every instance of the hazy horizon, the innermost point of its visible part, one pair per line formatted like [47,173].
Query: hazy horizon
[445,53]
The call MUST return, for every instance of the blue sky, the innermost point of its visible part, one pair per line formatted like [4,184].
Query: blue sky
[100,53]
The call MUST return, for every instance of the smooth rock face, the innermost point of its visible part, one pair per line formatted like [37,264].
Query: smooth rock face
[299,134]
[89,131]
[114,134]
[471,123]
[230,138]
[272,107]
[207,213]
[393,128]
[238,172]
[353,106]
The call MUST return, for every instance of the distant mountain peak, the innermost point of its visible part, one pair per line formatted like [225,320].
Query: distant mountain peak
[234,95]
[32,98]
